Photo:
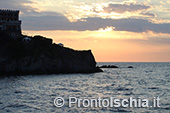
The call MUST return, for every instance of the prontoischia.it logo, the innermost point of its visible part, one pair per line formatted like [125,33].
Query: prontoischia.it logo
[107,102]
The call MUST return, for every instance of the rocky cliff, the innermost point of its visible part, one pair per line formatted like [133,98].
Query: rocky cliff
[40,56]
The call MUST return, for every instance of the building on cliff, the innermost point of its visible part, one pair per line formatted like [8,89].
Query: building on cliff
[60,44]
[9,22]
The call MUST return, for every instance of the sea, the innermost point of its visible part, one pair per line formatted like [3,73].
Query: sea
[36,93]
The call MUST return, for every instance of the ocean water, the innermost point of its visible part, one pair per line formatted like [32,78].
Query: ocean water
[35,93]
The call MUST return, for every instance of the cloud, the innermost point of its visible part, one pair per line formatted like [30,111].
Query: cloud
[18,5]
[151,41]
[166,10]
[109,10]
[33,20]
[149,14]
[122,8]
[57,21]
[47,21]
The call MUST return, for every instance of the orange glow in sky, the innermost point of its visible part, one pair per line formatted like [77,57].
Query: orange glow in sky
[115,31]
[111,46]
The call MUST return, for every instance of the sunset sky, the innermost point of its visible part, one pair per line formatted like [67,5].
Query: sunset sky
[115,30]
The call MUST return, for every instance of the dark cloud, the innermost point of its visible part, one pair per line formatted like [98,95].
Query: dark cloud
[121,8]
[49,21]
[148,14]
[58,21]
[18,5]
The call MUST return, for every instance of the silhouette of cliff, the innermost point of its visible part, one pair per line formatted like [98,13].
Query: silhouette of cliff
[41,56]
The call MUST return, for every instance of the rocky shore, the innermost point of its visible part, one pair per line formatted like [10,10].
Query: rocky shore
[39,55]
[112,66]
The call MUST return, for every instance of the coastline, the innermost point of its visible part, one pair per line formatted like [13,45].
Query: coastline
[41,56]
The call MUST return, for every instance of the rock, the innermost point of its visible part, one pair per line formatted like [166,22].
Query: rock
[41,56]
[109,66]
[112,66]
[130,66]
[104,66]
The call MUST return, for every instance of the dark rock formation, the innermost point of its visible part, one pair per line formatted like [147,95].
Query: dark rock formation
[130,66]
[113,66]
[108,66]
[41,56]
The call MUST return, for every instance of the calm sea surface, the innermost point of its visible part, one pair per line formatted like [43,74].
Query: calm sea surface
[35,93]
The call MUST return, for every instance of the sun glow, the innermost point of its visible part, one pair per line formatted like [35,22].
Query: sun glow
[110,45]
[106,29]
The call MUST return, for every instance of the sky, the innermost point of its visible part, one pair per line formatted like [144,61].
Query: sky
[115,30]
